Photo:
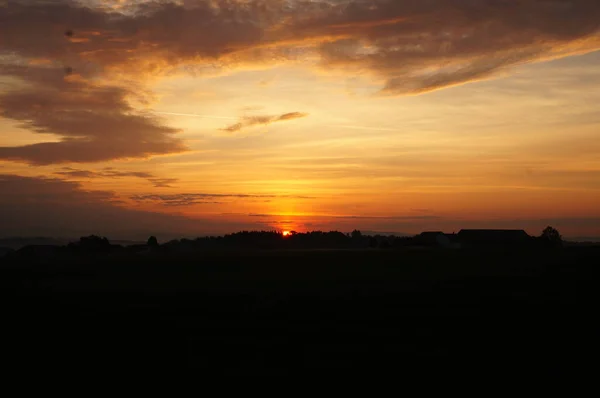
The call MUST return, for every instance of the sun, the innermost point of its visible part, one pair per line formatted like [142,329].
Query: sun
[286,233]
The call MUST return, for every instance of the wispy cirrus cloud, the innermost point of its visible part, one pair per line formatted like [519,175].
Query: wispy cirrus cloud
[188,199]
[59,208]
[111,172]
[251,121]
[356,217]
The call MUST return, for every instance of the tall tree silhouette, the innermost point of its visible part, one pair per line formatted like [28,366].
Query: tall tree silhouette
[551,236]
[152,242]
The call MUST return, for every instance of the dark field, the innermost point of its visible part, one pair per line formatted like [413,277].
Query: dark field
[424,311]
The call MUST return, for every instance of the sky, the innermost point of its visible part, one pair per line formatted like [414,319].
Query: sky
[128,118]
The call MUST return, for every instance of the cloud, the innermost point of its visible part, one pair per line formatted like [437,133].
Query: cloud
[94,122]
[423,46]
[163,182]
[55,207]
[250,121]
[106,172]
[110,172]
[415,46]
[36,206]
[291,116]
[188,199]
[411,47]
[151,36]
[356,217]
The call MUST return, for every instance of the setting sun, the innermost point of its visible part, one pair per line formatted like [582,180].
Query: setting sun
[286,233]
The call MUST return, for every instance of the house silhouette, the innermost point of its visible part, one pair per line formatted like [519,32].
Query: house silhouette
[433,239]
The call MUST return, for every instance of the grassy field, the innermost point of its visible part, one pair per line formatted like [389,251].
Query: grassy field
[518,312]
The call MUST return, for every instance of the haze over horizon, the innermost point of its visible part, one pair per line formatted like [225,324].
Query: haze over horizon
[178,118]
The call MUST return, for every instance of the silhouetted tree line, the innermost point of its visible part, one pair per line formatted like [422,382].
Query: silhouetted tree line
[266,240]
[273,240]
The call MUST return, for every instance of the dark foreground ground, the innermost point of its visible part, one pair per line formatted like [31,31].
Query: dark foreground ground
[502,312]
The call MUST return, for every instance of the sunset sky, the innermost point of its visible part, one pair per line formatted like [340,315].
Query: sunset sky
[180,118]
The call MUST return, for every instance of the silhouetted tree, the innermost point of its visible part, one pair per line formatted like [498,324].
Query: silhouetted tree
[93,241]
[356,234]
[551,237]
[152,242]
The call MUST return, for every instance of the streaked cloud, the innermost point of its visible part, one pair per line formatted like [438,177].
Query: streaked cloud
[163,182]
[195,115]
[251,121]
[356,217]
[54,207]
[188,199]
[111,172]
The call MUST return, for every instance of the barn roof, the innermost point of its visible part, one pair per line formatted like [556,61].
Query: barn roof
[431,233]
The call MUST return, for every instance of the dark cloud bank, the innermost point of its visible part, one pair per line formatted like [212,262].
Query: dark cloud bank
[59,208]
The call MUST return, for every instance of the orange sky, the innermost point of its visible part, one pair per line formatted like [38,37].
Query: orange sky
[197,117]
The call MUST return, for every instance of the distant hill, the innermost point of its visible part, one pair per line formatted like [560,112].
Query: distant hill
[16,243]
